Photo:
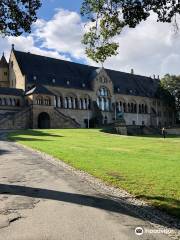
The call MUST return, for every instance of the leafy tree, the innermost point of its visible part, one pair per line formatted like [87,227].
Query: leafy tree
[17,16]
[108,17]
[171,83]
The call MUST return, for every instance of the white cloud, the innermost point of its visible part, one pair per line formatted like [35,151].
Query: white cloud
[63,33]
[150,48]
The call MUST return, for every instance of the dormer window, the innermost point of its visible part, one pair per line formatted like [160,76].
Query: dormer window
[35,78]
[68,82]
[118,89]
[53,80]
[83,85]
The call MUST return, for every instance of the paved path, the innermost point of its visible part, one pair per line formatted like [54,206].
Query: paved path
[39,201]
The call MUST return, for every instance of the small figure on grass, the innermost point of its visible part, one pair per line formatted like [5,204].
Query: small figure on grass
[163,132]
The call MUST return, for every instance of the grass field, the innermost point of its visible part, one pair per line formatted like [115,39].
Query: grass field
[148,167]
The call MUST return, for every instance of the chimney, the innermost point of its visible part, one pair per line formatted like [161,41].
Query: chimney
[132,71]
[154,76]
[12,46]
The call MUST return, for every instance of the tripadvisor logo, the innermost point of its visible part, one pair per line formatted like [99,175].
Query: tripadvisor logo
[139,231]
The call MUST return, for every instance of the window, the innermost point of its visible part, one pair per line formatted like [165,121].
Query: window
[47,101]
[66,102]
[17,102]
[134,122]
[143,123]
[103,100]
[39,101]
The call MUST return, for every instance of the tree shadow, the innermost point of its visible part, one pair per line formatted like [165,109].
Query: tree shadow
[169,204]
[107,204]
[38,133]
[3,152]
[29,135]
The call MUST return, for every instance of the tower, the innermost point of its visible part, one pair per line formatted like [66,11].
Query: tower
[4,79]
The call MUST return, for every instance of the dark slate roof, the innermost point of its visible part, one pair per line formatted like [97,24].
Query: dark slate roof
[39,89]
[11,91]
[3,62]
[80,76]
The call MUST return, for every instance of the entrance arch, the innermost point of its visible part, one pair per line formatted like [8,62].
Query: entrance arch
[43,120]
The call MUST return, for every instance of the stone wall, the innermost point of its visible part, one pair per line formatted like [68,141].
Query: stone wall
[16,78]
[173,131]
[57,119]
[16,120]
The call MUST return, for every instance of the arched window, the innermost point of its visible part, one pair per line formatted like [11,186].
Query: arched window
[103,100]
[146,109]
[14,102]
[10,101]
[69,102]
[129,108]
[80,103]
[0,101]
[18,102]
[66,102]
[39,101]
[135,108]
[76,103]
[84,102]
[132,107]
[142,108]
[60,102]
[124,107]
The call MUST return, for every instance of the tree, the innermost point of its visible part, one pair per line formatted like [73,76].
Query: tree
[108,17]
[17,16]
[171,83]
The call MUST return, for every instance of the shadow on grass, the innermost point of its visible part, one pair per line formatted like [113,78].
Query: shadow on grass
[28,135]
[164,203]
[107,204]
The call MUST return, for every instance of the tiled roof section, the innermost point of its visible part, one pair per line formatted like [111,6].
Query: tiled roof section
[3,62]
[49,71]
[11,91]
[39,89]
[131,84]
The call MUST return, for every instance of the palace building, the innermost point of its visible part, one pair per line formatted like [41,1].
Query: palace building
[43,92]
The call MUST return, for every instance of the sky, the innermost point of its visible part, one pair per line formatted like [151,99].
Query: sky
[150,49]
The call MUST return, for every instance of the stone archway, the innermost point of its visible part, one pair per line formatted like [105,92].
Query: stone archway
[44,120]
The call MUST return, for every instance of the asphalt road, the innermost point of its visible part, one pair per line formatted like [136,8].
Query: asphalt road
[40,201]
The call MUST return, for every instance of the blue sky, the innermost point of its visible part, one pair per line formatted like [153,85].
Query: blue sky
[151,48]
[49,6]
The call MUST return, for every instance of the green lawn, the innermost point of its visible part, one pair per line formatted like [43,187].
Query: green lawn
[148,167]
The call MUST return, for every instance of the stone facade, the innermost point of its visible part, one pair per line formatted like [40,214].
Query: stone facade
[54,105]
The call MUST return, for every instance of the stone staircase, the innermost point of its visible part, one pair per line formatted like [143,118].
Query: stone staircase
[151,131]
[68,122]
[15,120]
